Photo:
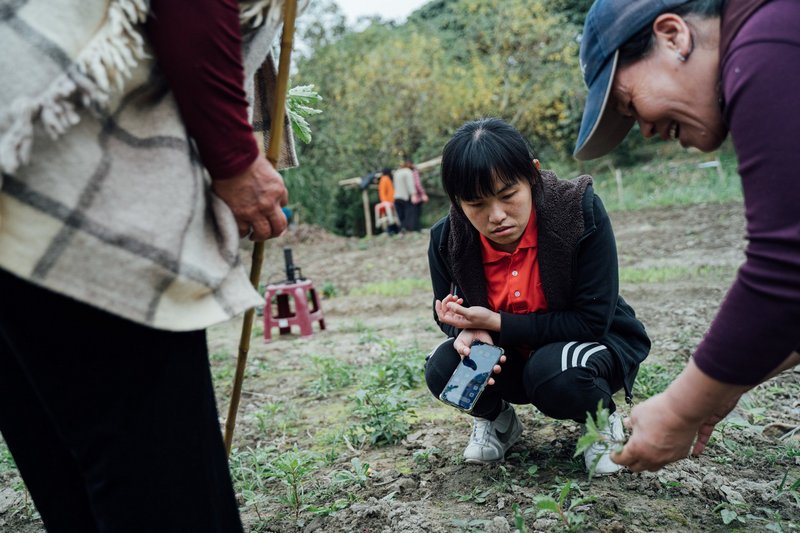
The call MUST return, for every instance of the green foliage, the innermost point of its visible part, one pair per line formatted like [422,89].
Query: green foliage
[574,10]
[331,374]
[673,273]
[477,495]
[6,460]
[322,24]
[267,415]
[400,91]
[399,369]
[663,174]
[329,290]
[653,378]
[299,103]
[423,458]
[793,489]
[738,513]
[569,505]
[395,91]
[293,469]
[384,417]
[383,406]
[249,473]
[358,476]
[347,217]
[742,514]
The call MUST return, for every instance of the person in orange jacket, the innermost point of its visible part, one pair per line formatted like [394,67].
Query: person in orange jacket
[386,195]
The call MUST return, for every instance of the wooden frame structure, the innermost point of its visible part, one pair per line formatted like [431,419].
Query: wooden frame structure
[356,182]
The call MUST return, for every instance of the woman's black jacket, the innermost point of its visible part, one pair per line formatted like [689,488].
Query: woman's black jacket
[577,257]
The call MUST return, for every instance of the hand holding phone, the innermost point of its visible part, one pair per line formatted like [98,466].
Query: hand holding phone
[471,376]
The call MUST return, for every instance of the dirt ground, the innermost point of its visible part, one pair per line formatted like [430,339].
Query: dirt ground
[305,460]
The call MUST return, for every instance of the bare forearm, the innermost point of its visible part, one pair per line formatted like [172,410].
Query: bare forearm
[696,396]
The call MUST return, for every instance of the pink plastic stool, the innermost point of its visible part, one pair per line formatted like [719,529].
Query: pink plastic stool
[285,318]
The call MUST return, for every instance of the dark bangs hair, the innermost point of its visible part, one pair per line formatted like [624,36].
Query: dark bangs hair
[480,152]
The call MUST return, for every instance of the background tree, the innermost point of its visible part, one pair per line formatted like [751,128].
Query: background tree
[394,91]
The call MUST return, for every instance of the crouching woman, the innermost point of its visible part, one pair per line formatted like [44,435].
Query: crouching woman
[528,262]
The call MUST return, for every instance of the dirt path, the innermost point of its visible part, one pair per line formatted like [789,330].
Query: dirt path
[306,461]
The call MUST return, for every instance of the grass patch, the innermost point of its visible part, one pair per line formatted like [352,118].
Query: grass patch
[670,176]
[399,287]
[674,273]
[331,375]
[6,460]
[653,378]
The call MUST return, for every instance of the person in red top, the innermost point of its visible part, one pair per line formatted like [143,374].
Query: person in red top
[528,262]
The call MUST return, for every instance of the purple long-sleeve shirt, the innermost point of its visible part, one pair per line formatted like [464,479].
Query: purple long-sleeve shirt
[198,45]
[758,325]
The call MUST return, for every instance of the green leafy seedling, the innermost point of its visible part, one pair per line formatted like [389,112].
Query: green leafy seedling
[598,431]
[294,469]
[478,495]
[569,509]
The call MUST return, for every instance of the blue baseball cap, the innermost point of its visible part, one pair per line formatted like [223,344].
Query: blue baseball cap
[609,24]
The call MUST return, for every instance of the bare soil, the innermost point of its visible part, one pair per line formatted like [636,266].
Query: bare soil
[676,264]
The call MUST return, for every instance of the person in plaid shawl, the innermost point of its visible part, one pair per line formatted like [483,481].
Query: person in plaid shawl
[130,152]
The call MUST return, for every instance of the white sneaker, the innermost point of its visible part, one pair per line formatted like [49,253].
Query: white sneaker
[491,439]
[605,466]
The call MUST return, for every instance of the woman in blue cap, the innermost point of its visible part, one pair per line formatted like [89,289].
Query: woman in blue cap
[695,71]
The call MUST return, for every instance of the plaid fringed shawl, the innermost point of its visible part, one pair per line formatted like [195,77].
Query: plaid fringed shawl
[103,198]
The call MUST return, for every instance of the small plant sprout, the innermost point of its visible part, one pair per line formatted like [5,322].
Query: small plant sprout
[570,508]
[478,495]
[733,512]
[359,475]
[598,431]
[329,290]
[293,469]
[792,489]
[422,458]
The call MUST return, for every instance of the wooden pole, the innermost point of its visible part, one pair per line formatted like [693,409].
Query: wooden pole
[273,153]
[367,215]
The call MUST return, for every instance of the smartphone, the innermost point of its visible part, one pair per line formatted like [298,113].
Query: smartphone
[471,376]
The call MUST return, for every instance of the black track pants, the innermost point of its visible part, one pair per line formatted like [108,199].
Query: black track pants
[564,380]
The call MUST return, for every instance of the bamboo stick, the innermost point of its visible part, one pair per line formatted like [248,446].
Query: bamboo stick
[273,153]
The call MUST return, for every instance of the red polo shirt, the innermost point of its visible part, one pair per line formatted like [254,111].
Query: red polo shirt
[512,279]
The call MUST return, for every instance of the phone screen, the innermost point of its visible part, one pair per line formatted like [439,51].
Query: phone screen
[471,376]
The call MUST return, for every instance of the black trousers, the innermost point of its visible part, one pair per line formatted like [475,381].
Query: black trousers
[405,213]
[416,214]
[112,425]
[564,380]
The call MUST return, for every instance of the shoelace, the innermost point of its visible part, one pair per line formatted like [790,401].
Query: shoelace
[480,428]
